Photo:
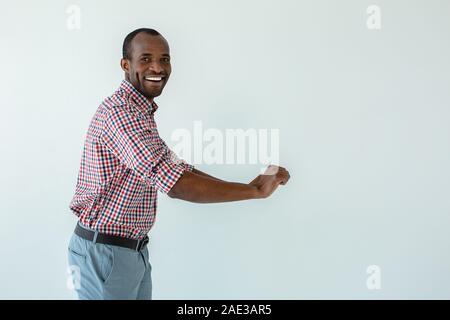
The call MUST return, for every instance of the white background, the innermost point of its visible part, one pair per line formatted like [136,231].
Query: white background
[363,118]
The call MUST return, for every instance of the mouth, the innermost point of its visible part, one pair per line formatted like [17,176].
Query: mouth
[155,79]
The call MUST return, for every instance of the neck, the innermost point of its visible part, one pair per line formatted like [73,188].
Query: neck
[150,99]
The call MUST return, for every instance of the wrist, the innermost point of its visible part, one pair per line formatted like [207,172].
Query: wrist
[254,192]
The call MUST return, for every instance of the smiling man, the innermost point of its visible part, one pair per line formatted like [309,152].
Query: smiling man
[124,164]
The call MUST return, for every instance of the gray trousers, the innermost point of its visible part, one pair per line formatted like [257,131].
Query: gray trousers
[107,272]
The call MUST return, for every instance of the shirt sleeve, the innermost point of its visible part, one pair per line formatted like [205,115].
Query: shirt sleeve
[175,159]
[141,149]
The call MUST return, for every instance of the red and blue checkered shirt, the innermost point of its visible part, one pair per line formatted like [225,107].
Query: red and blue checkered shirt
[123,165]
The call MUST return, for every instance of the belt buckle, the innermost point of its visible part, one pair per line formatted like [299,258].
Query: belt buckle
[142,243]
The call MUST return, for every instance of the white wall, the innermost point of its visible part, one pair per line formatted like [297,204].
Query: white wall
[363,118]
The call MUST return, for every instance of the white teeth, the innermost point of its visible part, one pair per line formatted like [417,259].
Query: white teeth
[154,78]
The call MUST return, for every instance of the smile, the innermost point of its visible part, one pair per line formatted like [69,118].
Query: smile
[154,79]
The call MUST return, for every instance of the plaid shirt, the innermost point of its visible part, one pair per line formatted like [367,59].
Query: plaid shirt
[123,165]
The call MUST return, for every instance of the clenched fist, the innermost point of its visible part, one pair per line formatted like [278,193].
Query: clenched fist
[267,183]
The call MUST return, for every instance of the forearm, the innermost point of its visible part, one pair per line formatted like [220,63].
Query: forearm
[205,175]
[198,188]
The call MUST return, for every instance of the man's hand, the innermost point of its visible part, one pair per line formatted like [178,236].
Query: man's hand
[267,183]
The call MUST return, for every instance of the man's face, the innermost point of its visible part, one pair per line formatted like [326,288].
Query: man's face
[149,68]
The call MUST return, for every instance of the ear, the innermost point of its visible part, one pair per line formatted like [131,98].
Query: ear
[125,64]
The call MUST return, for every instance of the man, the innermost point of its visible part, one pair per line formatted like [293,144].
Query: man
[124,164]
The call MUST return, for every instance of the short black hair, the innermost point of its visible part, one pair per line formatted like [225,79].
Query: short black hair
[126,48]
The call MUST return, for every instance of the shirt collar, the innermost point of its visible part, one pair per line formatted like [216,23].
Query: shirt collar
[142,103]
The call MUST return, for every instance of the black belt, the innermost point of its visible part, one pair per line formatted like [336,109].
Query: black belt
[90,235]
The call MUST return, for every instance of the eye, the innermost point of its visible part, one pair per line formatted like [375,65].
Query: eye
[166,60]
[145,59]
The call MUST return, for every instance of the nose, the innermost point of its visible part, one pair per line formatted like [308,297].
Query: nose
[155,67]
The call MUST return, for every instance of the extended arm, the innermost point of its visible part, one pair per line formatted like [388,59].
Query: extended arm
[199,188]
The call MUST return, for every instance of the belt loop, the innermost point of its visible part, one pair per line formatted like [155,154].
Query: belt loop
[138,245]
[95,237]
